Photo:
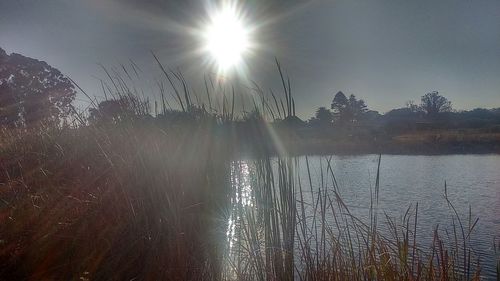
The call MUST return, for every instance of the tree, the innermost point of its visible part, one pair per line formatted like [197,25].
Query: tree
[347,110]
[371,115]
[433,103]
[412,106]
[356,108]
[110,111]
[32,91]
[323,117]
[339,104]
[117,110]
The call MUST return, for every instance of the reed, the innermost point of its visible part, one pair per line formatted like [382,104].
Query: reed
[329,242]
[167,197]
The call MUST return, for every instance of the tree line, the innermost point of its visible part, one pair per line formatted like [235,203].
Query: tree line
[32,91]
[434,112]
[347,111]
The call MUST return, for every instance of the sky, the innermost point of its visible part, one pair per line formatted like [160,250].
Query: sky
[386,52]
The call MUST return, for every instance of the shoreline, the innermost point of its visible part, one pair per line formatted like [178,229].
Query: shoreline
[355,149]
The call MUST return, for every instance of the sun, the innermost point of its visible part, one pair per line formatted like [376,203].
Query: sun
[226,38]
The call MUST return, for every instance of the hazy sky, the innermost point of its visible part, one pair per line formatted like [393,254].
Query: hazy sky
[384,51]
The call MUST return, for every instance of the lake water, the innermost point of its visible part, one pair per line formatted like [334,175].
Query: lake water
[472,180]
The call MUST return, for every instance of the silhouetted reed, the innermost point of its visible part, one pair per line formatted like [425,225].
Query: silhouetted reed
[126,195]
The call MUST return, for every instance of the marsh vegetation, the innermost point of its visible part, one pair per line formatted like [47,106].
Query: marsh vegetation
[200,191]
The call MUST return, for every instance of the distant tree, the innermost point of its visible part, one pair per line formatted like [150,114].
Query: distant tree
[110,111]
[480,113]
[339,105]
[433,103]
[412,106]
[371,115]
[323,117]
[347,110]
[118,110]
[32,91]
[357,108]
[403,112]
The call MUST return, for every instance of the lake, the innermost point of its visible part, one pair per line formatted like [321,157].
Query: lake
[472,181]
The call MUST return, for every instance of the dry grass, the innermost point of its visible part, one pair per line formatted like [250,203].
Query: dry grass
[449,136]
[145,199]
[136,201]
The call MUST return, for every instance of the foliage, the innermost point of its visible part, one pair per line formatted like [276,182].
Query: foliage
[323,118]
[411,106]
[357,108]
[433,103]
[348,111]
[118,110]
[339,104]
[139,200]
[32,91]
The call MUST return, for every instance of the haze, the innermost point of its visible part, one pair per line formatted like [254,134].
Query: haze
[386,52]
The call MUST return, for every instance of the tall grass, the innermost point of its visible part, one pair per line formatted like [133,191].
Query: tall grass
[295,229]
[120,203]
[168,198]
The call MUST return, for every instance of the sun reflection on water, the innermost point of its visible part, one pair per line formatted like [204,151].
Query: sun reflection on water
[242,198]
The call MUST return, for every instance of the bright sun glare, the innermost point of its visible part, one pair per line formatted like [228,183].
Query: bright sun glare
[226,38]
